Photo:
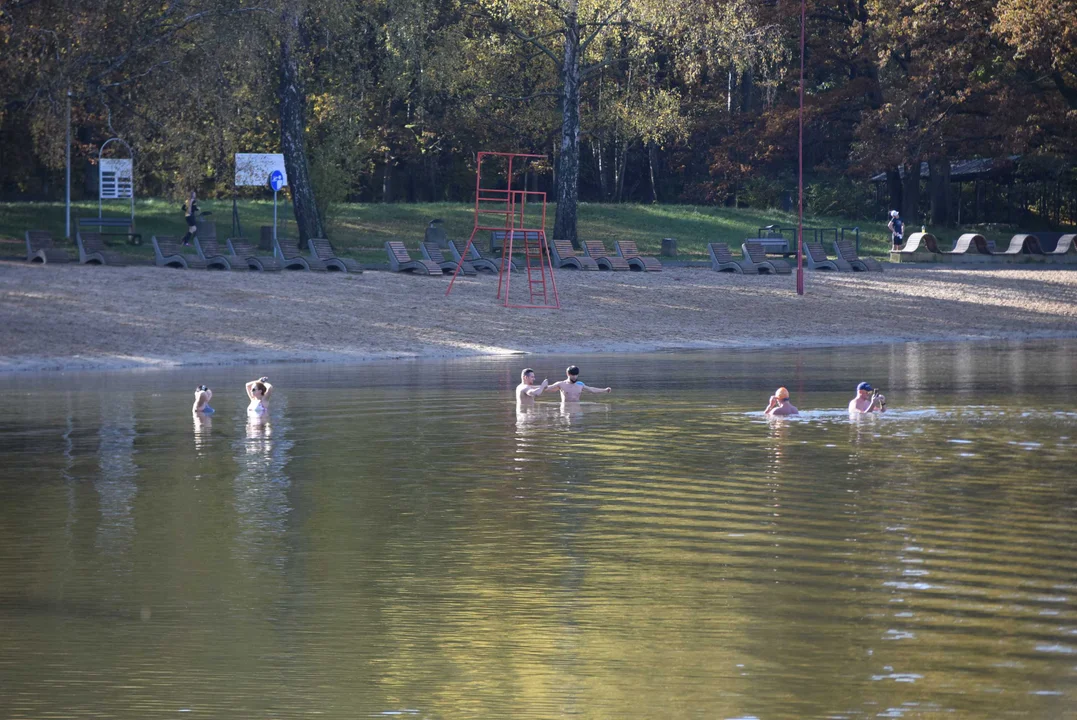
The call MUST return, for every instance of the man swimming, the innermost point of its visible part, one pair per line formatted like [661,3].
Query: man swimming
[572,388]
[527,390]
[867,400]
[779,404]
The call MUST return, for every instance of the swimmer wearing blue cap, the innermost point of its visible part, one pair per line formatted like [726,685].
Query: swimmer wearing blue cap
[571,387]
[202,396]
[867,400]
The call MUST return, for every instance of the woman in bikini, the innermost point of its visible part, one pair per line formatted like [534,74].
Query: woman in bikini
[258,391]
[202,396]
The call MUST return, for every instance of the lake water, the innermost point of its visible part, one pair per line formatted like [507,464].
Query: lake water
[400,542]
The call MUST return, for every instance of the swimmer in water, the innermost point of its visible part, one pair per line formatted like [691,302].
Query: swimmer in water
[259,391]
[867,400]
[527,390]
[572,388]
[202,396]
[779,404]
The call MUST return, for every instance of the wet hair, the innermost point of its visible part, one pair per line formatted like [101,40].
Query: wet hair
[260,386]
[525,372]
[572,370]
[201,388]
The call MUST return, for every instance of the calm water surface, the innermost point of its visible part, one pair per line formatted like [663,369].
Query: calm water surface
[399,541]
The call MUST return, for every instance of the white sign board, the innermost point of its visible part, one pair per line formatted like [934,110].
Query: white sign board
[115,178]
[254,169]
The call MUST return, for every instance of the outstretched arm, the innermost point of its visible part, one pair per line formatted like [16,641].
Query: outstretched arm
[588,388]
[536,391]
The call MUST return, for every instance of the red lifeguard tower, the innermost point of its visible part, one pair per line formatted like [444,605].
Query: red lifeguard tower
[506,210]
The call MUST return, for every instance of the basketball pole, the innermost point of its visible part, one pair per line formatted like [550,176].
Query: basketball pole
[800,159]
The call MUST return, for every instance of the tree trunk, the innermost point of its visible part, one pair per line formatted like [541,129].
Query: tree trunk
[293,125]
[568,162]
[910,193]
[939,182]
[893,187]
[621,158]
[603,183]
[652,166]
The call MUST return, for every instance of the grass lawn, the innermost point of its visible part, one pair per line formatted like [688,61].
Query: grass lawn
[360,230]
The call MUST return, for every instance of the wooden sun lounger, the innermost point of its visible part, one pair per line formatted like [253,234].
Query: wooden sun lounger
[400,260]
[167,253]
[322,249]
[564,256]
[628,250]
[1022,245]
[847,252]
[722,260]
[41,249]
[93,251]
[815,257]
[1067,244]
[242,252]
[758,255]
[210,253]
[596,250]
[292,259]
[921,242]
[970,241]
[476,258]
[432,252]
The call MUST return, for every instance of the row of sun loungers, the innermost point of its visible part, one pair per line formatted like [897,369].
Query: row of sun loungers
[755,260]
[973,248]
[168,252]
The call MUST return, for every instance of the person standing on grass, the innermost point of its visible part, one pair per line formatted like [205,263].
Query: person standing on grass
[571,387]
[190,210]
[897,230]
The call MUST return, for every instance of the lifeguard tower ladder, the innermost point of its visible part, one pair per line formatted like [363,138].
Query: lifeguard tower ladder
[505,210]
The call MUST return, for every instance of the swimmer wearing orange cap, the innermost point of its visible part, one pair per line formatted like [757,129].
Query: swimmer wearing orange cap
[779,404]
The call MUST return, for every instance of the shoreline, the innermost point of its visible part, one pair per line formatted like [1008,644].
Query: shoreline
[60,365]
[79,318]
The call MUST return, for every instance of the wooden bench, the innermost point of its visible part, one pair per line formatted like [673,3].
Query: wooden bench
[772,246]
[847,252]
[127,224]
[722,260]
[498,237]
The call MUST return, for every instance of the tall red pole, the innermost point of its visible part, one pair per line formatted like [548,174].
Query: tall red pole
[800,174]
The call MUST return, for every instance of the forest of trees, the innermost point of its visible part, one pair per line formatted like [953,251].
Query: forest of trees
[632,100]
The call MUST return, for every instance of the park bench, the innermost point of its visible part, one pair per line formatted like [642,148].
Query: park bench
[564,256]
[815,257]
[772,246]
[127,226]
[476,258]
[498,237]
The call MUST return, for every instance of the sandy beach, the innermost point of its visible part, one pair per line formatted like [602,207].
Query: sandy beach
[68,317]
